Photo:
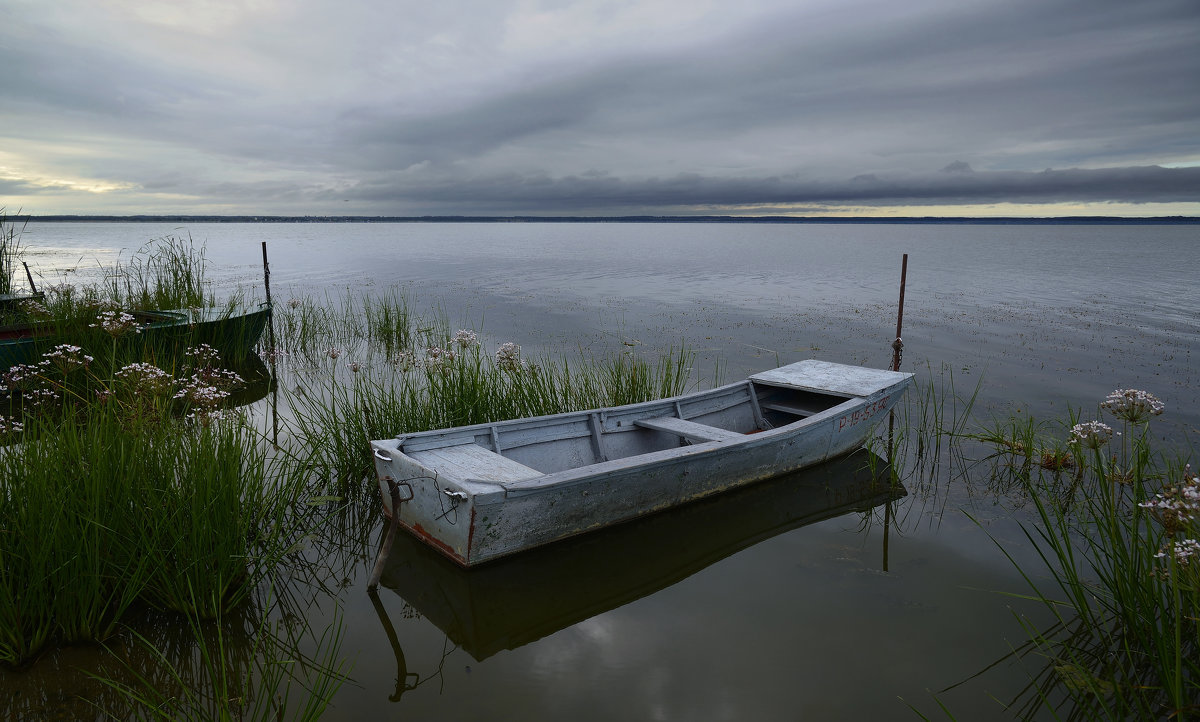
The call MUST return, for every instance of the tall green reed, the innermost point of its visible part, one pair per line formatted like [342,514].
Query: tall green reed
[455,383]
[1116,530]
[10,253]
[133,488]
[167,273]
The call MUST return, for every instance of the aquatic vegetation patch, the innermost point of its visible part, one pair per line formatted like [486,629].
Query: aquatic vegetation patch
[402,373]
[136,494]
[1119,538]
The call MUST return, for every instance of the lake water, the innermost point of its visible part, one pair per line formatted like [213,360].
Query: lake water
[687,618]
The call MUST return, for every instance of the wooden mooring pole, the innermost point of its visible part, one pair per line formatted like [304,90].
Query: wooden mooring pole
[898,345]
[897,354]
[271,348]
[32,287]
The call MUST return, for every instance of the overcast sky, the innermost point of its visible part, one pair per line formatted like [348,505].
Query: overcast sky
[496,107]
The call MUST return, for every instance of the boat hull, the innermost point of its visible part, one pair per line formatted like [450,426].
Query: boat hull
[163,335]
[474,518]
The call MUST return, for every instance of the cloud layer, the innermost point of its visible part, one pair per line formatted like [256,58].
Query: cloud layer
[529,106]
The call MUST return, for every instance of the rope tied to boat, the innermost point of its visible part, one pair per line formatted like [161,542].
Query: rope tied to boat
[897,353]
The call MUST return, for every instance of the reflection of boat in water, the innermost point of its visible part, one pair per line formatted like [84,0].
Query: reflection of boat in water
[518,600]
[257,376]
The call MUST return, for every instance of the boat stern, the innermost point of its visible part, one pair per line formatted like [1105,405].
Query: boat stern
[437,508]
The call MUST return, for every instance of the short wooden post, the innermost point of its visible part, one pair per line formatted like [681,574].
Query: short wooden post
[32,287]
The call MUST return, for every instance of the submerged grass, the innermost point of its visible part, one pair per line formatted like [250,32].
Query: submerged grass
[166,273]
[1114,528]
[220,682]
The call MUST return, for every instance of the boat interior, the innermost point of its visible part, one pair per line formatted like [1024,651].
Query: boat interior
[523,449]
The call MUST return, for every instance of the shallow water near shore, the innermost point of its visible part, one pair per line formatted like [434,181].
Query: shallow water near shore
[813,621]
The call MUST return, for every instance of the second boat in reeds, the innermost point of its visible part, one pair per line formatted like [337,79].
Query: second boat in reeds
[140,334]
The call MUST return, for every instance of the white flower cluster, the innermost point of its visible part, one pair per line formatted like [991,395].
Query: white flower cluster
[202,355]
[406,361]
[201,394]
[67,357]
[40,397]
[22,376]
[207,416]
[508,357]
[438,358]
[144,378]
[1132,405]
[465,338]
[1178,505]
[1184,551]
[1091,434]
[206,390]
[333,353]
[116,323]
[8,425]
[294,303]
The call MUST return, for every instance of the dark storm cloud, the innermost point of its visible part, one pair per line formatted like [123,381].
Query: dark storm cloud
[846,102]
[599,193]
[1060,86]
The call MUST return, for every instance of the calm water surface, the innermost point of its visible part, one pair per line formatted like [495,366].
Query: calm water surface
[757,608]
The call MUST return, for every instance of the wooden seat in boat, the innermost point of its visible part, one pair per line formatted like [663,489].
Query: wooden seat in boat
[472,461]
[689,430]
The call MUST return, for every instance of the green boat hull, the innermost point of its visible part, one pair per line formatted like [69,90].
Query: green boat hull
[163,337]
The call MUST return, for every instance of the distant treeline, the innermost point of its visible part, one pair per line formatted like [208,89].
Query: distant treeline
[1077,220]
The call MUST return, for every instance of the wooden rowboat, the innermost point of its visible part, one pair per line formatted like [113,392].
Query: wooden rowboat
[478,493]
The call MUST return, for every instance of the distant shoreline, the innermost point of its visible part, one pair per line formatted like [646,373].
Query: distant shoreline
[998,221]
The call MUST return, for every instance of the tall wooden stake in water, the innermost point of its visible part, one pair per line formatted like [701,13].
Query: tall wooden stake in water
[32,287]
[898,345]
[271,346]
[897,353]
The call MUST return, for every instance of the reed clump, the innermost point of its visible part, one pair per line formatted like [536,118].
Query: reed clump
[1116,524]
[166,273]
[129,484]
[10,253]
[380,389]
[131,488]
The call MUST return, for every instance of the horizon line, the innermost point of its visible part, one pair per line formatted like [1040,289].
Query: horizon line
[526,218]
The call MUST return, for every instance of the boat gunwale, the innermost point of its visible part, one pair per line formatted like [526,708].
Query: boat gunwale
[466,434]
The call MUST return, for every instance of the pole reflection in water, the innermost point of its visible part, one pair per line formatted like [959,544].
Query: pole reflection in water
[512,602]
